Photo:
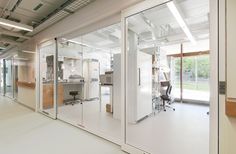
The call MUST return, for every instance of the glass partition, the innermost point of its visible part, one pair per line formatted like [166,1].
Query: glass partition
[24,78]
[9,77]
[89,81]
[175,63]
[70,82]
[47,78]
[196,78]
[153,44]
[2,77]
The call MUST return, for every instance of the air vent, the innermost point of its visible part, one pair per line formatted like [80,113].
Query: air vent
[38,6]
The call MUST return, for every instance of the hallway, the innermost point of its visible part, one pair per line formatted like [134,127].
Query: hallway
[31,133]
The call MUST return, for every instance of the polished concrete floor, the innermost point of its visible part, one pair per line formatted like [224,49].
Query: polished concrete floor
[23,131]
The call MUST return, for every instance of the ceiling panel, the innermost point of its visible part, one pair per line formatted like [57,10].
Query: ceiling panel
[26,8]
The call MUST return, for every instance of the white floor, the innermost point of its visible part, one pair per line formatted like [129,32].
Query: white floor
[192,94]
[23,131]
[99,122]
[184,131]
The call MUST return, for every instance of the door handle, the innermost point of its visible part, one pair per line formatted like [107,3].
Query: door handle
[139,77]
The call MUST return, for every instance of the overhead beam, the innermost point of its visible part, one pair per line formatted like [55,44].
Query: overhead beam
[107,37]
[151,26]
[5,32]
[5,40]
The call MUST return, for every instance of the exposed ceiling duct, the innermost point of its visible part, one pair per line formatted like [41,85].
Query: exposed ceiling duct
[66,9]
[39,14]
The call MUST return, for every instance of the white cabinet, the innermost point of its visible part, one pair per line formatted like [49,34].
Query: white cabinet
[91,78]
[117,86]
[144,85]
[139,81]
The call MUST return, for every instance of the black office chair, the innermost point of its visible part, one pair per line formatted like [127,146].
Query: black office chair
[167,98]
[73,94]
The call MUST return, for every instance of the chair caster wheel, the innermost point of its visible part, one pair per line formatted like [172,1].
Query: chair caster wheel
[173,109]
[165,110]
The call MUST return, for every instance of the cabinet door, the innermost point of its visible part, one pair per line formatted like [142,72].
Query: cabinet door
[144,88]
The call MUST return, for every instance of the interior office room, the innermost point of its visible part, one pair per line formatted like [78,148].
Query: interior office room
[121,76]
[88,80]
[18,77]
[165,67]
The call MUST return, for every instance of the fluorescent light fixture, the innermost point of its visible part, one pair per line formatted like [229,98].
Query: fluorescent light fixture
[27,51]
[13,24]
[181,21]
[19,58]
[2,48]
[77,42]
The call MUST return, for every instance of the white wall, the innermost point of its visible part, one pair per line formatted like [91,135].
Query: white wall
[27,97]
[227,124]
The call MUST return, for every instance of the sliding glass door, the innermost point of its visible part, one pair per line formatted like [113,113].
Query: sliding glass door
[145,36]
[47,62]
[159,27]
[88,86]
[70,82]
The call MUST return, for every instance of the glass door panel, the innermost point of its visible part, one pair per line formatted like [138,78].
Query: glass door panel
[145,37]
[175,67]
[196,78]
[101,62]
[15,77]
[84,99]
[70,82]
[2,77]
[146,32]
[47,81]
[9,78]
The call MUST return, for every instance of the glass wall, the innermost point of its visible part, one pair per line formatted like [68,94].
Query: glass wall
[24,78]
[47,80]
[2,77]
[154,40]
[196,78]
[70,82]
[89,81]
[9,77]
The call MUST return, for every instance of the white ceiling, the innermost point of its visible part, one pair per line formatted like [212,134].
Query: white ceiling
[166,28]
[25,11]
[104,39]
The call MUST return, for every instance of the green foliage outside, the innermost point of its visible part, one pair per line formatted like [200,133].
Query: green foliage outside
[203,66]
[203,69]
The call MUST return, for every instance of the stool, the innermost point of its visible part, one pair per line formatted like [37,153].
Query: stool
[73,94]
